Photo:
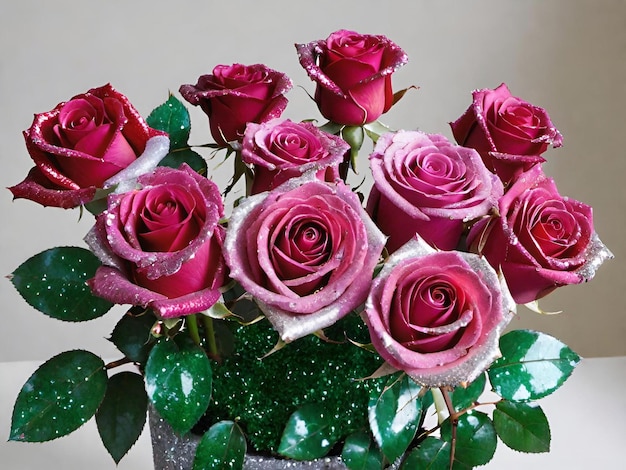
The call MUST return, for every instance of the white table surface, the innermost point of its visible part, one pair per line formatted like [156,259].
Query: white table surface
[587,417]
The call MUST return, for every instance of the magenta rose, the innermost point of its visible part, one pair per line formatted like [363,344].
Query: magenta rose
[79,145]
[509,133]
[353,75]
[539,240]
[234,95]
[161,244]
[306,251]
[425,184]
[437,315]
[281,149]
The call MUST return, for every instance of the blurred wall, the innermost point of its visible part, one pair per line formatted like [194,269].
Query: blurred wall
[568,56]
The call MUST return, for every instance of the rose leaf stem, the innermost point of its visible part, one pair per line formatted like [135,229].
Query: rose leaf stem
[454,421]
[192,325]
[119,362]
[209,333]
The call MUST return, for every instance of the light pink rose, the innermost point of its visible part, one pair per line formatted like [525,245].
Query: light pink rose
[161,245]
[437,315]
[540,240]
[353,75]
[82,143]
[306,251]
[425,184]
[234,95]
[509,133]
[281,149]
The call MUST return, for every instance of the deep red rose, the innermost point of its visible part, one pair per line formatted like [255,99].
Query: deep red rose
[540,240]
[234,95]
[353,75]
[79,145]
[509,133]
[161,244]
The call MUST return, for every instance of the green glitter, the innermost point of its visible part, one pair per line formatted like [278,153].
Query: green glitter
[262,394]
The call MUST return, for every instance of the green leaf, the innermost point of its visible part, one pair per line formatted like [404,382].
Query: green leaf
[464,397]
[432,454]
[176,158]
[394,415]
[54,282]
[240,169]
[331,127]
[223,446]
[532,366]
[178,381]
[122,414]
[361,453]
[522,426]
[476,439]
[132,335]
[173,118]
[59,397]
[307,435]
[375,129]
[353,135]
[398,95]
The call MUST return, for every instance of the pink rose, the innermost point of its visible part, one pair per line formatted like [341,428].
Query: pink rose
[437,315]
[281,149]
[306,251]
[540,240]
[509,133]
[353,75]
[424,184]
[161,245]
[82,143]
[234,95]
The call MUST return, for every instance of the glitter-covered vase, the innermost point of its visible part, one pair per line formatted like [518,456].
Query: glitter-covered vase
[173,452]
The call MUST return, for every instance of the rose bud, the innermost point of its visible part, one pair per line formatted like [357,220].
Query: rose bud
[281,149]
[509,133]
[437,315]
[306,251]
[425,184]
[161,245]
[539,240]
[234,95]
[93,141]
[353,75]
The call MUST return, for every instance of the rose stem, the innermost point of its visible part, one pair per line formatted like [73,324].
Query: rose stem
[209,333]
[454,421]
[192,324]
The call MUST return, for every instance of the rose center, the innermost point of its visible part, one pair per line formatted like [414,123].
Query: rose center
[429,303]
[310,242]
[169,219]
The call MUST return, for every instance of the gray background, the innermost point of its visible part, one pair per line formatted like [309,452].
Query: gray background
[567,56]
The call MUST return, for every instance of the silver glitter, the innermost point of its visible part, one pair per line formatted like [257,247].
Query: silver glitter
[174,452]
[596,254]
[156,148]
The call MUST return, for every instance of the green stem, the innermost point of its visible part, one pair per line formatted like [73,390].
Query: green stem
[192,325]
[209,333]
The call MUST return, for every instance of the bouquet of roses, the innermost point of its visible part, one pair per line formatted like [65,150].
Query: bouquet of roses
[313,320]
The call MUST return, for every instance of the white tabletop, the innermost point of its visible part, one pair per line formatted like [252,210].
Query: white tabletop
[586,415]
